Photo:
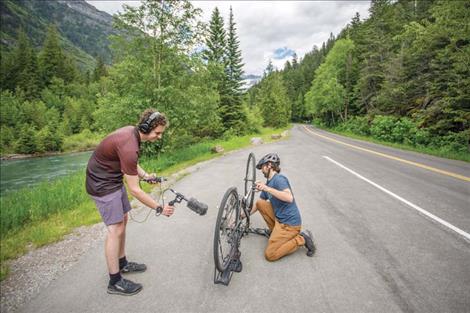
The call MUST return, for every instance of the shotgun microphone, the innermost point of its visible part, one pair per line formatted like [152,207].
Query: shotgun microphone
[196,206]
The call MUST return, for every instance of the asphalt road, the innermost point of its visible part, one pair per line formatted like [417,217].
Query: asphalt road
[377,252]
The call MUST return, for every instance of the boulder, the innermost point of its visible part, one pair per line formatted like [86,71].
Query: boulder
[217,149]
[256,141]
[275,136]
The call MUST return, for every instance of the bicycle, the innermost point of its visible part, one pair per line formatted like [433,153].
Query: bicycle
[230,227]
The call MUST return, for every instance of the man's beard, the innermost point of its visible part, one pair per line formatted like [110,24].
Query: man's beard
[266,175]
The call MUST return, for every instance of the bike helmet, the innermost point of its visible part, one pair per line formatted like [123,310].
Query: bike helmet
[270,157]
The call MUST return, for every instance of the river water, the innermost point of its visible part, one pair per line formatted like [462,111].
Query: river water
[16,174]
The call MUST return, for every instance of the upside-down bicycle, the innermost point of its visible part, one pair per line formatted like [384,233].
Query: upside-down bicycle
[230,227]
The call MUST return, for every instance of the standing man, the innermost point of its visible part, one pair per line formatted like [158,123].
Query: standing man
[280,212]
[115,158]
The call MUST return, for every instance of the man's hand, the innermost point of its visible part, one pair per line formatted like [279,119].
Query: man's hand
[261,186]
[168,210]
[284,195]
[150,178]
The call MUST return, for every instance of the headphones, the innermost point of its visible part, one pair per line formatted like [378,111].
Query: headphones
[144,127]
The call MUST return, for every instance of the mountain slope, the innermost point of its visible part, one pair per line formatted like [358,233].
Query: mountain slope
[84,30]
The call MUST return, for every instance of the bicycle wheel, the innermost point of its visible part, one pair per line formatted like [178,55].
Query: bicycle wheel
[250,178]
[225,229]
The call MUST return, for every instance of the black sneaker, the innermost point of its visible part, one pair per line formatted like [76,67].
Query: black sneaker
[133,267]
[308,242]
[124,287]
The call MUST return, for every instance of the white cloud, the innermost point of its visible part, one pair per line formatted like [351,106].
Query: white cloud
[264,26]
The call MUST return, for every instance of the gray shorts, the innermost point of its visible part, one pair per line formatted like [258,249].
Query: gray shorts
[114,206]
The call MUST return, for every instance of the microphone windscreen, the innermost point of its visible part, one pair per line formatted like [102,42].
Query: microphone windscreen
[198,207]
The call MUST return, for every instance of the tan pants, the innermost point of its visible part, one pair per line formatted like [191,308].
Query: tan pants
[284,239]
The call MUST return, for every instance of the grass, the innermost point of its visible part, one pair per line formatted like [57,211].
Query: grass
[34,217]
[40,233]
[462,156]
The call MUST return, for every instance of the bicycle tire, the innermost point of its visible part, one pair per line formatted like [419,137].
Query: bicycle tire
[250,179]
[229,213]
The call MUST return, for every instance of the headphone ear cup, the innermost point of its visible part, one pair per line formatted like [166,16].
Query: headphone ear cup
[142,128]
[145,126]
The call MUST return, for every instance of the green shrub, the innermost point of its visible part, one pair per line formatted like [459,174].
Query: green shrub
[452,142]
[382,127]
[86,140]
[422,137]
[404,131]
[26,143]
[357,125]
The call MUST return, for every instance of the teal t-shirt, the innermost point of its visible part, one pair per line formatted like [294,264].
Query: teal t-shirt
[286,213]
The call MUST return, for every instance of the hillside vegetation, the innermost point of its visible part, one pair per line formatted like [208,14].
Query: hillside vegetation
[83,30]
[402,75]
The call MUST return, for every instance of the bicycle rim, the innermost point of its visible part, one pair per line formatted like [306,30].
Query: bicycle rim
[250,178]
[225,229]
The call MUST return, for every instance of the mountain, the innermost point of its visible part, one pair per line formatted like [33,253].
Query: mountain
[250,80]
[84,30]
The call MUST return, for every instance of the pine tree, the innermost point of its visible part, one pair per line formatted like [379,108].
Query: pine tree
[295,62]
[216,43]
[273,101]
[29,77]
[217,63]
[232,113]
[234,59]
[20,69]
[52,58]
[100,69]
[269,69]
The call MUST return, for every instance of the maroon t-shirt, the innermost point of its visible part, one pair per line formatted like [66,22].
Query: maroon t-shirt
[116,155]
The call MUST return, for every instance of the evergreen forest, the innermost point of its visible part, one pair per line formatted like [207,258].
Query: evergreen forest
[401,75]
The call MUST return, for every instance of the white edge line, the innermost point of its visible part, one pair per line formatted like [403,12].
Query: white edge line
[426,213]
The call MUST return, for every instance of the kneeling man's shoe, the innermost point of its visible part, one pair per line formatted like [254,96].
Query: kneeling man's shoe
[308,242]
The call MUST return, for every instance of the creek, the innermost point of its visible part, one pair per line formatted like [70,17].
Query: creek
[20,173]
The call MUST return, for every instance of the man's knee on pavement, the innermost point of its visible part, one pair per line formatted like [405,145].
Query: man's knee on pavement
[271,255]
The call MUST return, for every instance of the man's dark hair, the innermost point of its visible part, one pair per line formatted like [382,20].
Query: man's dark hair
[159,120]
[275,167]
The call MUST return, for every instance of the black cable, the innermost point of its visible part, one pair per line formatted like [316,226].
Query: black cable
[150,209]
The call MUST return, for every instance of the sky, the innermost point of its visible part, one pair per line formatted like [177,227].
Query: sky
[273,30]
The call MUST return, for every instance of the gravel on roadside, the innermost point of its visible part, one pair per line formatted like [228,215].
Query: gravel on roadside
[32,272]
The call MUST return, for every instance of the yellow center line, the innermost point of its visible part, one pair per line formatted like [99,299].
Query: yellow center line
[458,176]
